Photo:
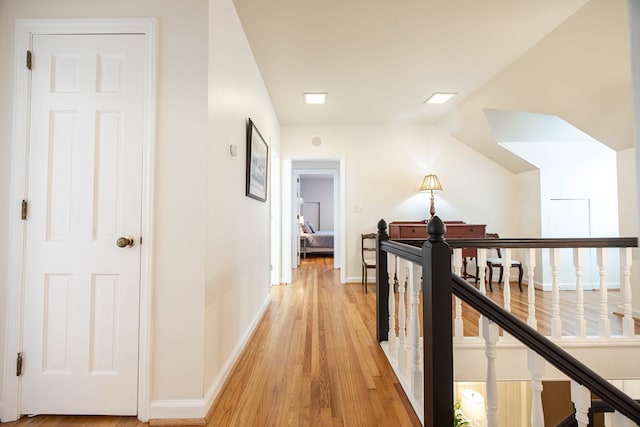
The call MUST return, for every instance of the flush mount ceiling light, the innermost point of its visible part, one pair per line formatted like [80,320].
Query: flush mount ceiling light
[315,97]
[440,97]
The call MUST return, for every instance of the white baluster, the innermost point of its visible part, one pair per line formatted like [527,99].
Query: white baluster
[482,270]
[490,334]
[530,257]
[482,263]
[393,339]
[457,269]
[507,274]
[628,326]
[581,398]
[556,323]
[410,313]
[402,322]
[578,263]
[605,323]
[536,367]
[416,374]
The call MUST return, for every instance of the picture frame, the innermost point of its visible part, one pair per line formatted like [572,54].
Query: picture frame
[257,163]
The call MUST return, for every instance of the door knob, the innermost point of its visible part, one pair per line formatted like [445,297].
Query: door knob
[126,242]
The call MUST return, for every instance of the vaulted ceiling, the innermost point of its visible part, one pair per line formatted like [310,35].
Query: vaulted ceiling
[379,60]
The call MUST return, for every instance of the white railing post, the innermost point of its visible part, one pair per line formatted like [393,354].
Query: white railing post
[402,323]
[490,334]
[506,267]
[605,323]
[536,367]
[530,257]
[393,339]
[578,263]
[457,269]
[482,265]
[416,373]
[581,398]
[628,324]
[556,323]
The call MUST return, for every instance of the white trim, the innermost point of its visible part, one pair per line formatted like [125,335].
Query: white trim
[285,225]
[340,245]
[223,375]
[198,408]
[568,286]
[172,409]
[24,31]
[342,240]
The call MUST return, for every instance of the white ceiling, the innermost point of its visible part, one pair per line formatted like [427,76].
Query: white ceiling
[379,60]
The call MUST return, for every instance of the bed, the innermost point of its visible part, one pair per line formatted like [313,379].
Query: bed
[314,241]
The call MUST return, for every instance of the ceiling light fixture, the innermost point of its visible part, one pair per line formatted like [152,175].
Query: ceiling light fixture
[315,97]
[440,97]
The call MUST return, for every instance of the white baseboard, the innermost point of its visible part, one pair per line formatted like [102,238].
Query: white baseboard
[359,279]
[216,385]
[572,286]
[198,408]
[171,409]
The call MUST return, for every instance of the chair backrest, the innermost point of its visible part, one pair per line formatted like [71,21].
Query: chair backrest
[368,248]
[494,236]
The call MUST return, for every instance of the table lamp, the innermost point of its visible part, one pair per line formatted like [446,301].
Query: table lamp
[431,183]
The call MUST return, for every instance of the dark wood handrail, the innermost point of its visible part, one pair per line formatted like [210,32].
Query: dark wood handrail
[404,251]
[537,243]
[551,352]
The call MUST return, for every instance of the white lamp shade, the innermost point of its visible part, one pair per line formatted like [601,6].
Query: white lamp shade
[472,405]
[430,182]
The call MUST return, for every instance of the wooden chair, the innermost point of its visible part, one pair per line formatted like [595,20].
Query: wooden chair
[368,256]
[499,263]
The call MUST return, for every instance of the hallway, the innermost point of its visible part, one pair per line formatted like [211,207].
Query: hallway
[312,361]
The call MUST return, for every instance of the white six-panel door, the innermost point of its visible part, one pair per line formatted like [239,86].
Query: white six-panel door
[80,344]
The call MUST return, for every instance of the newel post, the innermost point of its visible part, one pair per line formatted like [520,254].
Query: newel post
[438,340]
[382,285]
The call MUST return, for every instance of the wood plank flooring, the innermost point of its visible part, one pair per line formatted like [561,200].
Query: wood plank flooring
[568,304]
[313,359]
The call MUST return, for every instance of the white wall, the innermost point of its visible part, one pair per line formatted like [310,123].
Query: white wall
[634,24]
[177,350]
[238,228]
[319,190]
[384,167]
[628,216]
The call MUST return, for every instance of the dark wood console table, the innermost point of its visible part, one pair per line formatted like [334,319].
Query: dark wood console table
[455,230]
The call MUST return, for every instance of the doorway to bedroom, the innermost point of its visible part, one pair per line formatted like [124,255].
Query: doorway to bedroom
[316,225]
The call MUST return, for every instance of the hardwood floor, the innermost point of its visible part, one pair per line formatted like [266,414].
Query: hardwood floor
[568,303]
[314,361]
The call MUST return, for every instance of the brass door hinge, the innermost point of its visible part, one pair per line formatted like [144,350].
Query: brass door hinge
[29,59]
[19,365]
[23,210]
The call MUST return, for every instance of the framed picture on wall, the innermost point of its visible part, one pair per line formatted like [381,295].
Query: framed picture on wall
[257,163]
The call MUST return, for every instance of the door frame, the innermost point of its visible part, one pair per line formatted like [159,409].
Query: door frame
[288,197]
[25,30]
